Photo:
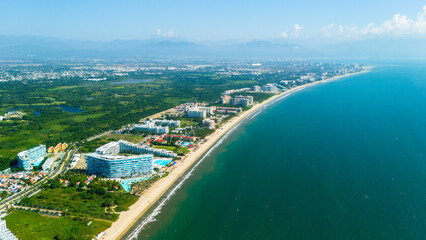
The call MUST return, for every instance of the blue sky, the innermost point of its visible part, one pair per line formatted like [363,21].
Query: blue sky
[205,21]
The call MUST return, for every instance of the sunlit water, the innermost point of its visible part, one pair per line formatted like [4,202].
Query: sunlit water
[342,160]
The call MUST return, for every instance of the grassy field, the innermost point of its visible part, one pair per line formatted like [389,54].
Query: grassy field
[182,150]
[186,123]
[30,225]
[170,148]
[176,149]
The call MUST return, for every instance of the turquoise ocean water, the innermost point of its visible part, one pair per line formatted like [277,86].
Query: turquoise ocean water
[342,160]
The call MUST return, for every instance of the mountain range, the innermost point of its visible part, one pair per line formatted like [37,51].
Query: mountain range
[28,47]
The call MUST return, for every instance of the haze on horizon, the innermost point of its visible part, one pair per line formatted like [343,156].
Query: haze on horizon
[316,25]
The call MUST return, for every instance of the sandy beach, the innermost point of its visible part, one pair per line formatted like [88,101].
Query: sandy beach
[150,196]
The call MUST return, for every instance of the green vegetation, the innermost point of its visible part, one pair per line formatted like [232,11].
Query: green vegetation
[98,202]
[3,194]
[170,148]
[202,132]
[90,146]
[257,96]
[104,106]
[181,151]
[94,201]
[26,225]
[140,187]
[185,122]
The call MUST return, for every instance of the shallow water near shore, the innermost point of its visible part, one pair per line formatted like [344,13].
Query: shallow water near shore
[341,160]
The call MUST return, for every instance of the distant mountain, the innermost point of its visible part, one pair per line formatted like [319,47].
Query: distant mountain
[264,48]
[24,47]
[17,47]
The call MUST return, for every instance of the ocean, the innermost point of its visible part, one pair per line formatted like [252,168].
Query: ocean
[340,160]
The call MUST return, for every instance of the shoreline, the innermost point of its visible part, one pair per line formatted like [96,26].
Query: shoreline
[128,218]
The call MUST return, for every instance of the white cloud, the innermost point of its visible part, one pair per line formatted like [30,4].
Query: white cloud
[399,25]
[292,32]
[168,34]
[326,31]
[284,34]
[296,29]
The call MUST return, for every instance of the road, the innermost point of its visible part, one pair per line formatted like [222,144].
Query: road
[156,115]
[99,135]
[18,196]
[58,170]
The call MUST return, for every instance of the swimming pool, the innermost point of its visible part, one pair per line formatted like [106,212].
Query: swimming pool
[187,144]
[162,162]
[127,184]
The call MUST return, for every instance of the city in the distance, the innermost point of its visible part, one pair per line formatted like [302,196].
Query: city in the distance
[163,121]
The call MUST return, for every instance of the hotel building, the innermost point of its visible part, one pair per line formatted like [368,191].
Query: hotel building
[256,88]
[107,163]
[199,112]
[114,166]
[170,123]
[242,101]
[27,158]
[196,113]
[114,148]
[151,127]
[209,122]
[228,110]
[5,233]
[225,99]
[270,87]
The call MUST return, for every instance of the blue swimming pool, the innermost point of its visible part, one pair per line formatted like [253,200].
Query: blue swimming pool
[162,162]
[127,184]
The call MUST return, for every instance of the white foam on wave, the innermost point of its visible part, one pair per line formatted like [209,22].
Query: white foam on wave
[157,210]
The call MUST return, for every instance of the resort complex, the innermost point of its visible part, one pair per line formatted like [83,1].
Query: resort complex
[95,180]
[156,126]
[244,101]
[114,166]
[107,162]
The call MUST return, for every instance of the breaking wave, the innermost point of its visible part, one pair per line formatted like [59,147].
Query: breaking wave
[151,217]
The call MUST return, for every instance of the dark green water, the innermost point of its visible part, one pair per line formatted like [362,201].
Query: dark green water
[342,160]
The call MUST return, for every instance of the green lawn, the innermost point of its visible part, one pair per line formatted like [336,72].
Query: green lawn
[182,150]
[176,149]
[30,225]
[170,148]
